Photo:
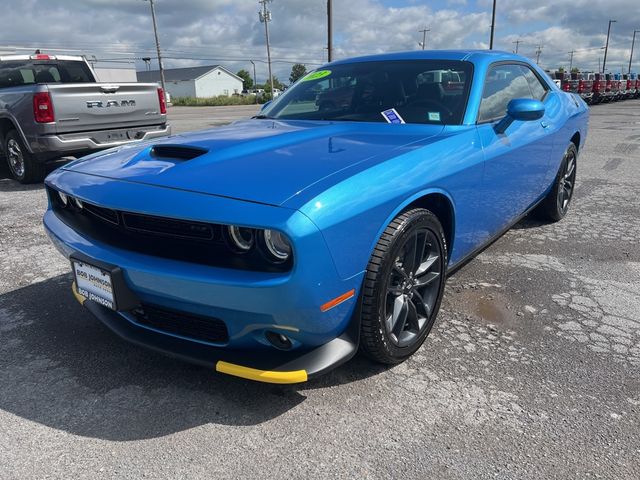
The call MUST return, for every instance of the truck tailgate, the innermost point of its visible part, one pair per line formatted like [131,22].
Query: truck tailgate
[93,106]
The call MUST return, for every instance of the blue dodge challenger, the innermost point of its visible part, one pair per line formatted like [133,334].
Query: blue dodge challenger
[275,248]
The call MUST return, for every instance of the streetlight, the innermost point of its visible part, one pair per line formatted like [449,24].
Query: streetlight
[633,42]
[606,47]
[155,31]
[265,17]
[254,79]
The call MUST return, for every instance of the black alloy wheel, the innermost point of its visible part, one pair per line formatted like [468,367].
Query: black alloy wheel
[556,204]
[403,287]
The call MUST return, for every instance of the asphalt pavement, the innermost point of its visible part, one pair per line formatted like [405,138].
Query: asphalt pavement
[531,371]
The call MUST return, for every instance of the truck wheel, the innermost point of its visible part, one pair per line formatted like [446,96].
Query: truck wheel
[403,287]
[24,167]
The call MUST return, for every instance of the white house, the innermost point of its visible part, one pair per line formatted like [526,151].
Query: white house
[200,82]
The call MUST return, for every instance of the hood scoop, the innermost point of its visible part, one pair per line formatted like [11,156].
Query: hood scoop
[177,152]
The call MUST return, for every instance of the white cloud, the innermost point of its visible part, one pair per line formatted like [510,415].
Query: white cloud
[228,31]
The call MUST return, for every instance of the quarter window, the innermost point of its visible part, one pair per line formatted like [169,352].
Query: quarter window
[537,89]
[503,84]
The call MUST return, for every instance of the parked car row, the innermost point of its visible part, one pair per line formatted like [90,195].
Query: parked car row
[599,87]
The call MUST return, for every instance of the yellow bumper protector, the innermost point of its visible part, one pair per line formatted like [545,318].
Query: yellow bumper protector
[267,376]
[79,297]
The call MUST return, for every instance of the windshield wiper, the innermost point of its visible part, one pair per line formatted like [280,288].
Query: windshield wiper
[262,117]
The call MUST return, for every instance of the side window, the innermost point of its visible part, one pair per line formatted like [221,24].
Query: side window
[538,90]
[503,84]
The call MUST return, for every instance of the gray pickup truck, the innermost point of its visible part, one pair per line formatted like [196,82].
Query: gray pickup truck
[53,107]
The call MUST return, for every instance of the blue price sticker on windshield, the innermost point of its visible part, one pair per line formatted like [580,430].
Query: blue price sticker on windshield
[434,116]
[392,116]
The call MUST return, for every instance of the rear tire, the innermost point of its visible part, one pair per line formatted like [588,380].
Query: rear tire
[23,165]
[555,205]
[403,287]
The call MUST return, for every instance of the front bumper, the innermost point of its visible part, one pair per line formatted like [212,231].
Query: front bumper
[262,366]
[96,140]
[250,303]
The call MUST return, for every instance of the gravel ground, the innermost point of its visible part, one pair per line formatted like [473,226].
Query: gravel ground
[532,370]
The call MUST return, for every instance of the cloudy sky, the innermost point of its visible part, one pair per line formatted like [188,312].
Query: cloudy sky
[195,32]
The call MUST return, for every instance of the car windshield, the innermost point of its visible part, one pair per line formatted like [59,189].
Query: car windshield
[407,91]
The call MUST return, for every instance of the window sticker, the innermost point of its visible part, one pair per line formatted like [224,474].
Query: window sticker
[392,116]
[316,75]
[434,116]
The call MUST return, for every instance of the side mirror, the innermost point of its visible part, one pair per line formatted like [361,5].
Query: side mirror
[265,105]
[523,109]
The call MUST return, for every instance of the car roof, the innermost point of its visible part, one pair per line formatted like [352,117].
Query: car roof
[474,56]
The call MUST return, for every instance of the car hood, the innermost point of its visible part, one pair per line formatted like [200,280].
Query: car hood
[263,161]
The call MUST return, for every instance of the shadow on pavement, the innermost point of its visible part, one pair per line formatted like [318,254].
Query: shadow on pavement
[59,366]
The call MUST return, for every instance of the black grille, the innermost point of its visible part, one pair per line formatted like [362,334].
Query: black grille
[167,226]
[105,214]
[205,329]
[176,239]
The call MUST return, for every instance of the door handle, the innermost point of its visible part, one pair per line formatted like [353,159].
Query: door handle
[544,124]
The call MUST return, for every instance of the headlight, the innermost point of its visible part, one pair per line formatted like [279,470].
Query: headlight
[63,198]
[241,239]
[78,202]
[277,246]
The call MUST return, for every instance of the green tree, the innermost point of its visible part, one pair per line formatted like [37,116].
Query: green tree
[277,84]
[247,81]
[297,71]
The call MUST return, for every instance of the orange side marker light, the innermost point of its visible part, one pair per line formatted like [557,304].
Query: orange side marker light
[338,300]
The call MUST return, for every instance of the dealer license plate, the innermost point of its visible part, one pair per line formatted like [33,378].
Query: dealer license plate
[94,284]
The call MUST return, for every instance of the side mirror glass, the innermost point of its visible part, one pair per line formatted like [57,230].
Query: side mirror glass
[522,109]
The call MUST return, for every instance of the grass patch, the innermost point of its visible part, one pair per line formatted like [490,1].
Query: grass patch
[219,101]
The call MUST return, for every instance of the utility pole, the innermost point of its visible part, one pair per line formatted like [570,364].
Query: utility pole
[493,25]
[424,37]
[517,42]
[538,52]
[254,79]
[571,60]
[329,31]
[155,31]
[633,42]
[606,47]
[265,17]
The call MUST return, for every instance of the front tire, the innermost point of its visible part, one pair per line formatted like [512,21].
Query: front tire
[403,287]
[555,205]
[24,167]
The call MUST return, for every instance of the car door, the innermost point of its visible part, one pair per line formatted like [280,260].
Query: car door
[516,161]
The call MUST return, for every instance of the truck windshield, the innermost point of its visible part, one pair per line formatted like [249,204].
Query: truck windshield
[406,91]
[26,72]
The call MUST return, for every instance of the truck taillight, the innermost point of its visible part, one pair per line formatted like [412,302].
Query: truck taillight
[161,99]
[43,108]
[581,86]
[566,87]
